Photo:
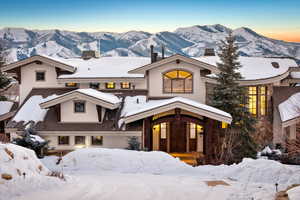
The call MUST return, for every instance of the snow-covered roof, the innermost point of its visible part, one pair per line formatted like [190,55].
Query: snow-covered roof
[108,98]
[31,111]
[133,107]
[104,67]
[290,108]
[5,107]
[254,68]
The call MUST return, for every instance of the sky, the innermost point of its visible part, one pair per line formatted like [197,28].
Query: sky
[279,19]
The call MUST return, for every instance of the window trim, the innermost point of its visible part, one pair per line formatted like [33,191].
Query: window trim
[95,83]
[40,71]
[97,144]
[171,92]
[129,85]
[58,141]
[106,84]
[79,101]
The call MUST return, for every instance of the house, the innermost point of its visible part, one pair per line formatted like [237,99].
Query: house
[164,101]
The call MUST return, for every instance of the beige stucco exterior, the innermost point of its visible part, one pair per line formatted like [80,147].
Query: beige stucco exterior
[68,114]
[155,81]
[28,81]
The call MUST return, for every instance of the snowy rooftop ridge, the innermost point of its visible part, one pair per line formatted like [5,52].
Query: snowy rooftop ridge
[111,98]
[254,68]
[132,108]
[290,108]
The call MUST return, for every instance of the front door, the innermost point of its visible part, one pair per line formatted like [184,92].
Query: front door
[178,136]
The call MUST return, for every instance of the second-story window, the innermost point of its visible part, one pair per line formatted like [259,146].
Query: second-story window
[95,85]
[125,85]
[71,84]
[79,106]
[257,100]
[110,85]
[252,100]
[178,81]
[40,76]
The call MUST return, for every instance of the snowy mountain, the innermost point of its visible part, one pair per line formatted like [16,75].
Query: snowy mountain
[21,43]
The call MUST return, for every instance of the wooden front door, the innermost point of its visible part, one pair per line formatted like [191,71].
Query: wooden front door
[178,136]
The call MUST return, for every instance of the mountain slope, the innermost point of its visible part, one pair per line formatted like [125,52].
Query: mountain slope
[191,41]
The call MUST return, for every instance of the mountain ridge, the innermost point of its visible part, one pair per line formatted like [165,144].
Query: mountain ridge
[190,41]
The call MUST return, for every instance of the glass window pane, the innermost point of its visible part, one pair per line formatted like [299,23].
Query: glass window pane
[79,107]
[172,74]
[192,130]
[263,104]
[199,129]
[110,85]
[40,76]
[125,85]
[178,85]
[183,74]
[94,85]
[97,140]
[80,140]
[63,140]
[163,130]
[189,84]
[167,85]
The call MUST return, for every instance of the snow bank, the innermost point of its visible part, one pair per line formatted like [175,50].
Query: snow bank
[258,171]
[17,161]
[122,161]
[5,107]
[294,193]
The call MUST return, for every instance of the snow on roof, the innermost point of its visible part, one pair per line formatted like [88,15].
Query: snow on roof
[31,111]
[254,68]
[131,108]
[104,67]
[290,108]
[108,97]
[5,107]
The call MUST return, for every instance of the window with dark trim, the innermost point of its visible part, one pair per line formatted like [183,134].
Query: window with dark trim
[125,85]
[40,76]
[257,102]
[71,84]
[79,140]
[95,85]
[79,106]
[63,140]
[97,140]
[110,85]
[178,81]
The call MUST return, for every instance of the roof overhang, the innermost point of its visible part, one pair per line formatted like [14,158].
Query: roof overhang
[73,95]
[38,58]
[98,79]
[177,104]
[177,57]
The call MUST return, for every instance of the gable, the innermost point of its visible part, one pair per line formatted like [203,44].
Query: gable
[175,58]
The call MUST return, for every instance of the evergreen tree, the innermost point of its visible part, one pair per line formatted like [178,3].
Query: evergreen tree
[230,97]
[4,80]
[134,143]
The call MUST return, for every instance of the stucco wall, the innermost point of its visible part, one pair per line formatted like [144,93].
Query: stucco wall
[28,81]
[68,114]
[156,81]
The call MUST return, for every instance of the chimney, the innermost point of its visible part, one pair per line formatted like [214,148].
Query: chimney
[162,52]
[90,54]
[151,53]
[209,52]
[155,57]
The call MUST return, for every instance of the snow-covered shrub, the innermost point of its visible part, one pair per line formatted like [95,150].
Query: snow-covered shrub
[30,140]
[271,154]
[134,143]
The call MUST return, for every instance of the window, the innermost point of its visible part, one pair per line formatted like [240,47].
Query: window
[97,140]
[125,85]
[194,130]
[79,106]
[224,125]
[110,85]
[263,100]
[71,84]
[40,76]
[79,140]
[252,100]
[258,100]
[63,140]
[163,130]
[95,85]
[178,81]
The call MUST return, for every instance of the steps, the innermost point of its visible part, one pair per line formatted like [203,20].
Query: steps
[188,158]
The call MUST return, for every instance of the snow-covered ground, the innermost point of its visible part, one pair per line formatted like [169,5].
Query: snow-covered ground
[112,174]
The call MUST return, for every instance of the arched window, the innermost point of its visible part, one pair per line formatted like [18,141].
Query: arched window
[178,81]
